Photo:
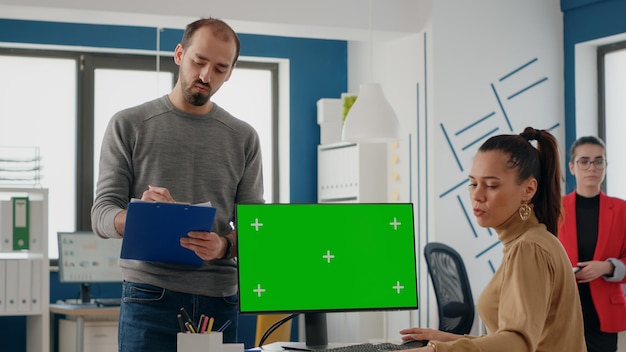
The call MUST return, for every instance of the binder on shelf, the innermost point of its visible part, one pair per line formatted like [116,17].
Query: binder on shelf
[4,282]
[36,287]
[11,290]
[153,231]
[6,225]
[21,223]
[24,276]
[36,233]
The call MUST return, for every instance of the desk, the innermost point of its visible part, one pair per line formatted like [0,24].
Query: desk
[80,311]
[277,346]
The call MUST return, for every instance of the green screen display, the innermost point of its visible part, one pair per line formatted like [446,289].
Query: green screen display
[326,257]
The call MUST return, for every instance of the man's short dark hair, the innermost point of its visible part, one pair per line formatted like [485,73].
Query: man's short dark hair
[220,29]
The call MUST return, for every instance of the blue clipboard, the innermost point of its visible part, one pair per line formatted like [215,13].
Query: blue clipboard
[153,231]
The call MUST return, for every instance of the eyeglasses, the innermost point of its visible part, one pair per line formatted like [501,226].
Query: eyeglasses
[586,163]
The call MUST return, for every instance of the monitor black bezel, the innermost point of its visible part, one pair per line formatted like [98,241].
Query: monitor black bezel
[333,310]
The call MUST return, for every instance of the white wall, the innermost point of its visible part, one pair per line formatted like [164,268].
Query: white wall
[485,53]
[448,76]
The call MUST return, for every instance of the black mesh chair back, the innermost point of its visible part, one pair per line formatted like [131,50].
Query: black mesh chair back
[452,289]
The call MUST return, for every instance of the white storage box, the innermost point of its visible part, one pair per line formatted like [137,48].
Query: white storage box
[329,110]
[330,132]
[213,342]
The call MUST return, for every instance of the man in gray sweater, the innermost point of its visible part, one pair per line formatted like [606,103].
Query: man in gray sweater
[181,147]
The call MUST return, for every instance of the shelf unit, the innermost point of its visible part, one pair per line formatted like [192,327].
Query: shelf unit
[24,273]
[352,173]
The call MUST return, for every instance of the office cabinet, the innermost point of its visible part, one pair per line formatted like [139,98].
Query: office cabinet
[98,336]
[24,263]
[349,172]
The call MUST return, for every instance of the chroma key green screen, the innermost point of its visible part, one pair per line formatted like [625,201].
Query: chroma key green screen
[326,257]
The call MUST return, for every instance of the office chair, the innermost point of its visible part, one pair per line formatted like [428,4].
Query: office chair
[452,289]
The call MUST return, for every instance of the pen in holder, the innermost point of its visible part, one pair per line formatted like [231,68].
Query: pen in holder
[213,342]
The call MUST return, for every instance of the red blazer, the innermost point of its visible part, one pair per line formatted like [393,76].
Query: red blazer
[608,297]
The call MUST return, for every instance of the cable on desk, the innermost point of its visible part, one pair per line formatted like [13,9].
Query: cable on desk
[273,328]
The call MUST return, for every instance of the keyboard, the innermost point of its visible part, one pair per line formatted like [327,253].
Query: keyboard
[108,302]
[365,347]
[387,346]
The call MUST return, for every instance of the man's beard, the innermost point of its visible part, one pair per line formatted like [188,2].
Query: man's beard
[196,99]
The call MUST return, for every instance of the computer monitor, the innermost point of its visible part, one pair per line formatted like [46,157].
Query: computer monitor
[85,258]
[329,257]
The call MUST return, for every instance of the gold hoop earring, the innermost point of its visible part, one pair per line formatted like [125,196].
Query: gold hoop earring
[524,211]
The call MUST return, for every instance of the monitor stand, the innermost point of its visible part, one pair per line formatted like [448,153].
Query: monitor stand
[85,293]
[316,335]
[315,330]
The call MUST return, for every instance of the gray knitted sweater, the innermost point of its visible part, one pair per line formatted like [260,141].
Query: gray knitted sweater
[199,158]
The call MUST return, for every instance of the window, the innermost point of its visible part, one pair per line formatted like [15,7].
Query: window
[249,95]
[38,110]
[61,102]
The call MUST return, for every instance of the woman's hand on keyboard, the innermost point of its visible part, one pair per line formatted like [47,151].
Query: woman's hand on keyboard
[428,335]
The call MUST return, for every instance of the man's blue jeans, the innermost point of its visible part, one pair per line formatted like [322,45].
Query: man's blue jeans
[148,322]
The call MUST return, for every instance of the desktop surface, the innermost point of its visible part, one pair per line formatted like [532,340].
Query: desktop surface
[108,302]
[339,347]
[93,302]
[83,309]
[284,346]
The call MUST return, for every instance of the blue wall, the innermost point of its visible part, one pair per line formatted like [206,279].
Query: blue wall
[584,20]
[318,69]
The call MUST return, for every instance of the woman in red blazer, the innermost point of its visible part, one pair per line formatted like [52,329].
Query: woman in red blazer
[593,233]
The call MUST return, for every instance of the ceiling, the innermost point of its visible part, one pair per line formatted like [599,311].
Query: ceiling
[328,19]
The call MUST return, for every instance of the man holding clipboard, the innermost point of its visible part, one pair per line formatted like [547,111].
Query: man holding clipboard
[181,147]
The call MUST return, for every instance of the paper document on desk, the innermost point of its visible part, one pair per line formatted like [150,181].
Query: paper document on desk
[153,231]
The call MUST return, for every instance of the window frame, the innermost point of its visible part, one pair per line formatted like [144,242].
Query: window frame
[86,64]
[90,62]
[601,52]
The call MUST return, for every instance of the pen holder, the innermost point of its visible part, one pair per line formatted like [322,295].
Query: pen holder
[213,342]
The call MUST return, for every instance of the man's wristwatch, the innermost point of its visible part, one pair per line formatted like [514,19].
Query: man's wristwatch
[229,248]
[432,344]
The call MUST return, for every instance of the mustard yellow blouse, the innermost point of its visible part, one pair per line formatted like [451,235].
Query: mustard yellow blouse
[531,303]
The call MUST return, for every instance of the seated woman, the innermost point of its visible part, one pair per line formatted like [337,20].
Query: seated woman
[531,302]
